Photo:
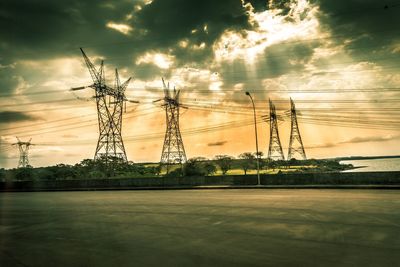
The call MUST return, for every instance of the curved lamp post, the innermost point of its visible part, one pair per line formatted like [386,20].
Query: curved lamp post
[255,128]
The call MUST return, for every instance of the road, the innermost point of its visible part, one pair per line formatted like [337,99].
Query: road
[246,227]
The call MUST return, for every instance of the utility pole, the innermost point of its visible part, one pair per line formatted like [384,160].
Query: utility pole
[255,129]
[275,151]
[173,151]
[23,153]
[110,143]
[295,135]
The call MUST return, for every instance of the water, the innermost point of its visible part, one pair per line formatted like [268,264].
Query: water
[368,165]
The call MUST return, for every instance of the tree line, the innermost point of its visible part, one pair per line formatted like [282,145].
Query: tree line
[112,167]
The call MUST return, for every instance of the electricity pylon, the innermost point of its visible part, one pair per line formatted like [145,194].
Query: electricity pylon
[117,103]
[275,148]
[173,151]
[23,153]
[110,143]
[295,143]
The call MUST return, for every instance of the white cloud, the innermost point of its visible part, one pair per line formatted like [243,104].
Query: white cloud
[270,28]
[162,61]
[119,27]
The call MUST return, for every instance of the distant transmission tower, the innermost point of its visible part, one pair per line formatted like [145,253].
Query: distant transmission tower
[173,151]
[23,153]
[110,143]
[295,143]
[275,148]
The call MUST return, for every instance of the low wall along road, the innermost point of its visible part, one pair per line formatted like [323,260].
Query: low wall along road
[302,179]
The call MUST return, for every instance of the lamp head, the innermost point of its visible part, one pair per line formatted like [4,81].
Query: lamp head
[247,93]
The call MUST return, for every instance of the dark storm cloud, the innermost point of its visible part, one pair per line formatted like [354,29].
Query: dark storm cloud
[280,59]
[9,80]
[258,5]
[160,25]
[167,21]
[47,29]
[283,5]
[147,71]
[370,24]
[276,60]
[14,116]
[369,16]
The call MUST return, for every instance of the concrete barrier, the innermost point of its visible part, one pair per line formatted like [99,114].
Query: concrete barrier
[301,179]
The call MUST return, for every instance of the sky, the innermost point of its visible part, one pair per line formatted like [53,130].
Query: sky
[338,61]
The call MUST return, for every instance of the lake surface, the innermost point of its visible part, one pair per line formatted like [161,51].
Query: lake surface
[387,164]
[200,228]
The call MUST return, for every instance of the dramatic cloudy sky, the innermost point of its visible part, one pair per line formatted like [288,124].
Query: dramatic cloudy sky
[338,60]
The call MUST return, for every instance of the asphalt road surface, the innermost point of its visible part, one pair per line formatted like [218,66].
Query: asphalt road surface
[254,227]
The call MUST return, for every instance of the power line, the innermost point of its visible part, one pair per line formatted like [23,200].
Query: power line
[39,103]
[85,124]
[47,122]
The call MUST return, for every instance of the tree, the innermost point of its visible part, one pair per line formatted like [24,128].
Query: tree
[246,161]
[157,169]
[224,162]
[2,175]
[209,168]
[24,174]
[174,173]
[194,167]
[260,154]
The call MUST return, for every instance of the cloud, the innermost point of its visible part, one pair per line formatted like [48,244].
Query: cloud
[219,143]
[162,61]
[356,140]
[212,50]
[325,145]
[9,79]
[364,29]
[379,138]
[119,27]
[15,116]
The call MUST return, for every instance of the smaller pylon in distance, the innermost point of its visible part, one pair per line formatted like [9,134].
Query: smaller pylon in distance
[23,153]
[173,151]
[295,143]
[275,151]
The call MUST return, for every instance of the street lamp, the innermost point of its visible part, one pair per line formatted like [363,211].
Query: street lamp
[255,128]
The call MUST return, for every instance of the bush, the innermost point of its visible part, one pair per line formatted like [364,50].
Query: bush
[199,166]
[24,174]
[224,162]
[175,173]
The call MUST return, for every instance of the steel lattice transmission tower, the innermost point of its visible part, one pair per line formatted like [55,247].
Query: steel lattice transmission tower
[23,153]
[173,151]
[117,103]
[275,151]
[295,143]
[110,143]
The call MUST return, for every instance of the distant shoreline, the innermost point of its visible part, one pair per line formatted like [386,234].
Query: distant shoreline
[363,157]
